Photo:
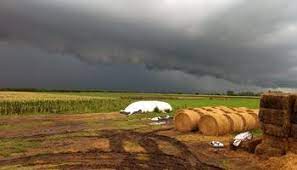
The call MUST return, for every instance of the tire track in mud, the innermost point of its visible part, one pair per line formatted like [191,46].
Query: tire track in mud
[117,157]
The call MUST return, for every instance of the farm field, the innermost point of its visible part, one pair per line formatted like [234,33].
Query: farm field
[93,134]
[18,103]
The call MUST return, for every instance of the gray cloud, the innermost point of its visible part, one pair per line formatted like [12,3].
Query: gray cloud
[27,67]
[244,42]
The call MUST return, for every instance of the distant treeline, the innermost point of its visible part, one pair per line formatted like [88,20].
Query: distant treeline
[82,90]
[247,93]
[46,90]
[228,93]
[232,93]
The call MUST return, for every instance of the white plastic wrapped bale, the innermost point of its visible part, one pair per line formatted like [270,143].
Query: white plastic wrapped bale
[147,106]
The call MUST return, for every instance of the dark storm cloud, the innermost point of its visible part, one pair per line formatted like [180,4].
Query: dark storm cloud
[245,42]
[26,67]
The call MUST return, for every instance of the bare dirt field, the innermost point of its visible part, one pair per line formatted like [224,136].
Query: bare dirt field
[111,141]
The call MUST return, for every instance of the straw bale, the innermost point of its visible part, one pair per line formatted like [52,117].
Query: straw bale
[249,121]
[186,120]
[274,130]
[214,125]
[236,122]
[279,101]
[273,116]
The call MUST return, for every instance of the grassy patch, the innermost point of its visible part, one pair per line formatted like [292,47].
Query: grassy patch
[146,116]
[22,126]
[73,135]
[226,164]
[128,124]
[229,102]
[13,146]
[257,132]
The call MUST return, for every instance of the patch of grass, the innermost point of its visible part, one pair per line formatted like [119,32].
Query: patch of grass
[226,164]
[229,102]
[21,126]
[128,124]
[72,135]
[257,132]
[13,146]
[145,116]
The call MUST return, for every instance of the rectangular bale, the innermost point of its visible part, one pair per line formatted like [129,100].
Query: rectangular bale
[277,142]
[278,131]
[265,150]
[274,117]
[279,101]
[293,145]
[294,114]
[272,146]
[294,131]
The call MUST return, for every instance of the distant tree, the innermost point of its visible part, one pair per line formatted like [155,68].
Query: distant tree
[230,93]
[247,93]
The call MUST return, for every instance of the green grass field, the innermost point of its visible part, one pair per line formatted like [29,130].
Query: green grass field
[87,102]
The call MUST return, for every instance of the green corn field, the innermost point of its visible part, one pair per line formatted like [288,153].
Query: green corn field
[28,103]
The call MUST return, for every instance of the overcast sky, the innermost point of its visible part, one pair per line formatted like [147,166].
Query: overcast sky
[149,45]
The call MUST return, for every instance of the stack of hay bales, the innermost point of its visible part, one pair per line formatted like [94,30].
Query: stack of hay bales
[215,121]
[278,121]
[293,133]
[237,122]
[186,120]
[214,124]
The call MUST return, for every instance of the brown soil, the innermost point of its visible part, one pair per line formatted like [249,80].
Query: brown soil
[111,141]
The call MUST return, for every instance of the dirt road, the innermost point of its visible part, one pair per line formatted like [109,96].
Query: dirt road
[109,141]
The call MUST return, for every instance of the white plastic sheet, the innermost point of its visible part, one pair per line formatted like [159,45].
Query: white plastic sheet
[242,137]
[216,144]
[147,106]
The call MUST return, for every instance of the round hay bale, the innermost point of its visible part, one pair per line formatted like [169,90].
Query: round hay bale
[215,110]
[201,111]
[214,125]
[236,122]
[225,109]
[249,121]
[255,114]
[186,120]
[207,108]
[239,109]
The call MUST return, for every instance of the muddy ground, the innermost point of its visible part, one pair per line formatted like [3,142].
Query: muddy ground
[111,141]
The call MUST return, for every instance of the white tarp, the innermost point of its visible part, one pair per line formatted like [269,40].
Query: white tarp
[216,144]
[147,106]
[242,137]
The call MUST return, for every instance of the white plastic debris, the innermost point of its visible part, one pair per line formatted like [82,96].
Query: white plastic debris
[155,119]
[167,117]
[216,144]
[147,106]
[160,118]
[157,123]
[242,137]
